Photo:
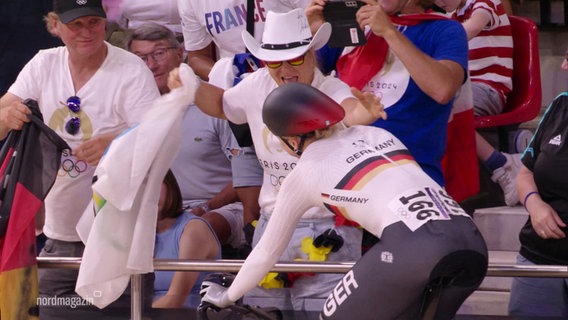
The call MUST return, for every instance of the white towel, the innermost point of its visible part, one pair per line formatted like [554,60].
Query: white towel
[119,240]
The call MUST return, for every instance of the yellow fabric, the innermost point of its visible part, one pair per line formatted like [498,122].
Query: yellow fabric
[314,253]
[270,281]
[18,293]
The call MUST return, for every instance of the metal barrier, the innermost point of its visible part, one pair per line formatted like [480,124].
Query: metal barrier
[494,270]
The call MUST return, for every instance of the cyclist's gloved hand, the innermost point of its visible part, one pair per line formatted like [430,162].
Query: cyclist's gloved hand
[215,294]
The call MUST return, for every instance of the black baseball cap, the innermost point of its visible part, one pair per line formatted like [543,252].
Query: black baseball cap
[69,10]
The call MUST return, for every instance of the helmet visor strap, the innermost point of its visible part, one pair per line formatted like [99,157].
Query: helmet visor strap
[300,148]
[287,144]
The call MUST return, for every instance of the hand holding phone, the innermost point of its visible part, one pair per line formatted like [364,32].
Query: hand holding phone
[345,30]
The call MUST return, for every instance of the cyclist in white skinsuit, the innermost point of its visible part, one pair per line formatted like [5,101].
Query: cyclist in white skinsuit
[427,242]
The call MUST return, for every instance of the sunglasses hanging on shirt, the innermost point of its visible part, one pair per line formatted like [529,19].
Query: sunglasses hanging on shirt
[74,124]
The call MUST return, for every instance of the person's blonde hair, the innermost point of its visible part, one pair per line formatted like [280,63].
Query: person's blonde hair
[326,132]
[50,20]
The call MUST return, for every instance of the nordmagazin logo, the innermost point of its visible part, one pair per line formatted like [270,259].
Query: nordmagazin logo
[70,301]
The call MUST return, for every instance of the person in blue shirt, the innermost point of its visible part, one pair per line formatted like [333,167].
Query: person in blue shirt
[180,235]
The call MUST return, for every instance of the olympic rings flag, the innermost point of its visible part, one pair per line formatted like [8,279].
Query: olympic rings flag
[121,220]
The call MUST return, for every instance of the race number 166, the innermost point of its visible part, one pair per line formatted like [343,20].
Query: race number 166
[415,207]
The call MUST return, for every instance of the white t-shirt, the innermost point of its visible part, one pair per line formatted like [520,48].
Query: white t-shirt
[363,173]
[113,99]
[163,12]
[204,21]
[243,103]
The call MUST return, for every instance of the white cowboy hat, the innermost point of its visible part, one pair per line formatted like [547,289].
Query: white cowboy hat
[286,36]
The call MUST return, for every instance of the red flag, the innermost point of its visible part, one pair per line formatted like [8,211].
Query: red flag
[359,66]
[29,161]
[461,170]
[459,164]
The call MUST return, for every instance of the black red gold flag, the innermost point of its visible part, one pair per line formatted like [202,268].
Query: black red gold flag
[29,161]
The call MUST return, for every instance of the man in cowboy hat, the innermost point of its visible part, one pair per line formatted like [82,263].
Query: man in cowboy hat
[214,27]
[287,49]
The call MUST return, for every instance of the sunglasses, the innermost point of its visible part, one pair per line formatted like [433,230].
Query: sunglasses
[293,62]
[72,126]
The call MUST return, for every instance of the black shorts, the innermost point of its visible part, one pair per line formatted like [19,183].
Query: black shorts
[393,279]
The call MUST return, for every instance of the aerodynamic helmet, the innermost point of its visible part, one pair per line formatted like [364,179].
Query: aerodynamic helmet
[295,109]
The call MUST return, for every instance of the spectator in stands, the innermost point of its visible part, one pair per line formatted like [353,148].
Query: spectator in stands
[212,30]
[210,26]
[203,166]
[491,70]
[129,14]
[415,60]
[288,50]
[137,12]
[180,235]
[542,186]
[88,92]
[366,175]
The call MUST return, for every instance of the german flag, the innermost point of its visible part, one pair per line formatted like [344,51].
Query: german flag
[29,161]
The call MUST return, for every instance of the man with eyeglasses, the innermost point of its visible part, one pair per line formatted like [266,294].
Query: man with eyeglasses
[88,92]
[203,165]
[161,53]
